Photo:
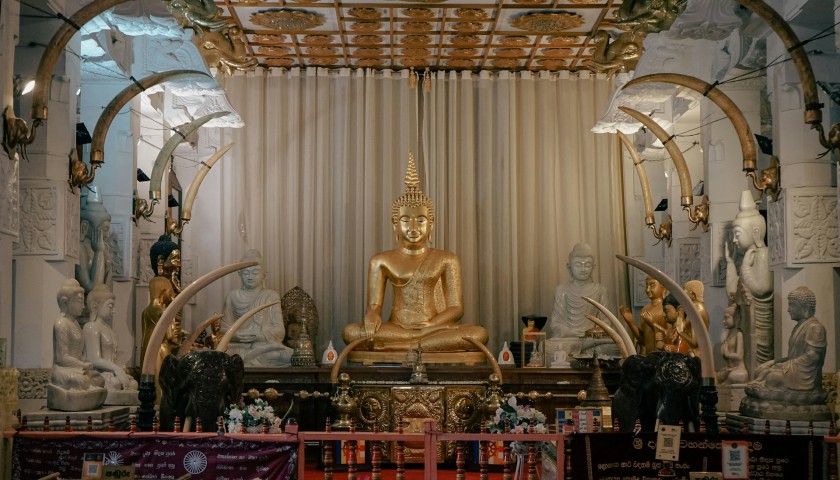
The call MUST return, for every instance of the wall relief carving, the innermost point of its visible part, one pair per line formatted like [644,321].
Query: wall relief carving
[32,383]
[814,228]
[38,209]
[689,261]
[9,195]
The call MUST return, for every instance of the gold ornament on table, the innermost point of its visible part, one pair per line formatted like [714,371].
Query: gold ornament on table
[304,354]
[287,19]
[430,320]
[546,22]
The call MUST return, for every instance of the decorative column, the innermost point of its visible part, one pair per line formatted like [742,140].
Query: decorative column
[803,223]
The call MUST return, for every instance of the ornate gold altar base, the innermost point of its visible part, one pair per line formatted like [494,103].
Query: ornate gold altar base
[460,358]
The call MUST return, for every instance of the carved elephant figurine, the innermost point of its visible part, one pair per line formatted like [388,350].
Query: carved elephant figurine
[661,386]
[201,384]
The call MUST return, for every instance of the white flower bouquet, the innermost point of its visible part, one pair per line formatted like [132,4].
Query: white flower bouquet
[253,417]
[520,418]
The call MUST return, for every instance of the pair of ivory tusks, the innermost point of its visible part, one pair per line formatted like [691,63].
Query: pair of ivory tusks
[187,345]
[226,338]
[178,136]
[729,108]
[617,332]
[169,313]
[704,344]
[186,213]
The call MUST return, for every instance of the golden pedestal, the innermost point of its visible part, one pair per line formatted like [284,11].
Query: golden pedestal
[460,358]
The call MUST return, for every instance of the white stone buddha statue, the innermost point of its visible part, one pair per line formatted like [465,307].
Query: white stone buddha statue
[260,340]
[101,348]
[568,318]
[74,384]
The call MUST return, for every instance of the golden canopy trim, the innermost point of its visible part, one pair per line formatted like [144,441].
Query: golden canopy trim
[546,22]
[287,19]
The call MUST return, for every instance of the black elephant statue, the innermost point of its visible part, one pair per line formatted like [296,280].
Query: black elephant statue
[661,386]
[201,384]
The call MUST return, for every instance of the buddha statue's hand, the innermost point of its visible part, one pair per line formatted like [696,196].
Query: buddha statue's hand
[749,258]
[245,338]
[626,314]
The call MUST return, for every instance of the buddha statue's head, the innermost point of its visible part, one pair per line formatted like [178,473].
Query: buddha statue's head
[253,278]
[694,289]
[412,213]
[749,226]
[160,290]
[671,307]
[100,302]
[654,289]
[581,262]
[160,251]
[802,303]
[95,214]
[71,298]
[731,316]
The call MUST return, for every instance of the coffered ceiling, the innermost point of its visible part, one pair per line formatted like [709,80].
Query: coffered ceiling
[439,34]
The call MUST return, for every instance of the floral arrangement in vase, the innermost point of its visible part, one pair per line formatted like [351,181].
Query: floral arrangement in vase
[520,418]
[253,417]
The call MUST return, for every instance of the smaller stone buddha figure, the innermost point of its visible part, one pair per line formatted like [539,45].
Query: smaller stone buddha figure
[95,259]
[74,384]
[260,340]
[749,281]
[732,349]
[101,348]
[791,387]
[568,318]
[426,282]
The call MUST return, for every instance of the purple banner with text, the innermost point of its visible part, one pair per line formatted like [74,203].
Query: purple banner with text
[160,456]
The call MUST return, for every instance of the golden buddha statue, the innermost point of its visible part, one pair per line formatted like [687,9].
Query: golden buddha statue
[428,299]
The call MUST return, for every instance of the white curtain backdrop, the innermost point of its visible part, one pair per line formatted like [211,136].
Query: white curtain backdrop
[516,177]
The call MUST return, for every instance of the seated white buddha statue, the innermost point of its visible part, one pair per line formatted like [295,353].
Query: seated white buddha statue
[791,387]
[427,287]
[101,348]
[74,384]
[260,340]
[568,318]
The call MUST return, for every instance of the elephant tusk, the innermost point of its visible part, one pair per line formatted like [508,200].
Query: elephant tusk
[813,107]
[186,212]
[707,362]
[223,343]
[643,178]
[616,338]
[187,346]
[686,197]
[617,326]
[729,108]
[180,300]
[43,76]
[489,355]
[341,356]
[169,147]
[97,146]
